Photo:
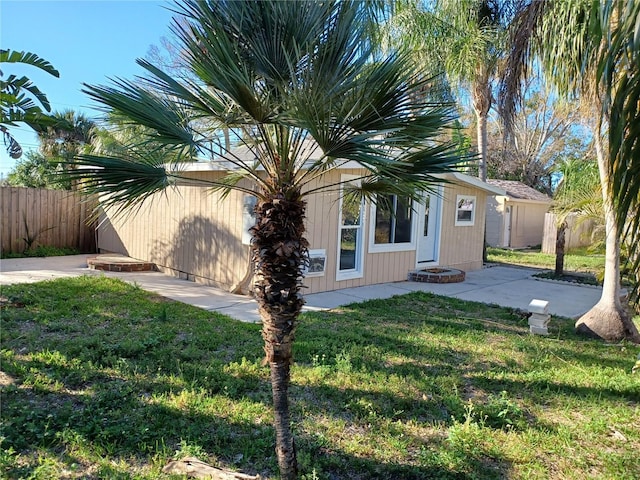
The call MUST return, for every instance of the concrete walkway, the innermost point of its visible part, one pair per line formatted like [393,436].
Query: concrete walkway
[505,286]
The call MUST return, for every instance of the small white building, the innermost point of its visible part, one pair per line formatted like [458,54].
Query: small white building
[516,220]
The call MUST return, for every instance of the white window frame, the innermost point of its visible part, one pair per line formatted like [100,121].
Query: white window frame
[374,247]
[357,272]
[438,209]
[466,223]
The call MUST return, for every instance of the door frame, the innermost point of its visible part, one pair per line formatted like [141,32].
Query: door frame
[438,195]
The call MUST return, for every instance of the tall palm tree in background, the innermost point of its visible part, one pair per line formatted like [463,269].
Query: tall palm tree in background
[466,38]
[71,135]
[572,40]
[295,82]
[21,100]
[64,135]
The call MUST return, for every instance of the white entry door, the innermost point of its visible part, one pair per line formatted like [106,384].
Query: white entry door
[429,230]
[506,234]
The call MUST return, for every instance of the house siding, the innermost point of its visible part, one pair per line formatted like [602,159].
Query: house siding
[191,233]
[527,223]
[187,232]
[461,246]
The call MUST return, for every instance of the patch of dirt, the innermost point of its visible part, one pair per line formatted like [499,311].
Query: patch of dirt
[6,380]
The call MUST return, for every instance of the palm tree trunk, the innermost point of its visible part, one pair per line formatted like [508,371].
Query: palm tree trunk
[482,147]
[285,444]
[481,96]
[279,254]
[608,319]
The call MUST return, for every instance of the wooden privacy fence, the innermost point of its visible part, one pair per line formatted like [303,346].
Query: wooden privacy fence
[56,218]
[578,234]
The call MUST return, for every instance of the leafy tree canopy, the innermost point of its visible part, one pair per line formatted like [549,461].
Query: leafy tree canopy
[34,170]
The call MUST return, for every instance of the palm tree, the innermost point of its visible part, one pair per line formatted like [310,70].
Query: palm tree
[295,82]
[619,71]
[466,38]
[578,194]
[571,41]
[70,135]
[20,98]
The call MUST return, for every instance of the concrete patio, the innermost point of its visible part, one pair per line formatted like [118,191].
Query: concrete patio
[501,285]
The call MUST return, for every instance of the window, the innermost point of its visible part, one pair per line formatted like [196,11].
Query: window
[465,210]
[393,225]
[350,237]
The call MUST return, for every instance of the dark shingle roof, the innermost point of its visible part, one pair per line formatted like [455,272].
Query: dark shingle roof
[519,190]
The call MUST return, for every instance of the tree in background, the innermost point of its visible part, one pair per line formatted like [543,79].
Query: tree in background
[297,84]
[466,38]
[545,131]
[578,194]
[66,135]
[22,101]
[34,170]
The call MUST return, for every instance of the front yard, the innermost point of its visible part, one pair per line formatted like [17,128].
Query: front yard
[103,380]
[577,260]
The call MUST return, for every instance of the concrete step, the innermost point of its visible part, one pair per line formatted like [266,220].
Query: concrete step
[119,263]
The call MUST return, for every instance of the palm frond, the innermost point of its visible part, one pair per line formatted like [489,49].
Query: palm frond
[167,118]
[195,95]
[516,66]
[13,148]
[28,58]
[121,183]
[31,115]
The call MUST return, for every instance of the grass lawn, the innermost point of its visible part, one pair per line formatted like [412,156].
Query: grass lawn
[101,380]
[577,260]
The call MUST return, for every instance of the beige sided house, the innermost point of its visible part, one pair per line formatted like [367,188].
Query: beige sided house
[190,232]
[516,220]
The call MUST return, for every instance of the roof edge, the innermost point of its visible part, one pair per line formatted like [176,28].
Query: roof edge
[473,181]
[458,177]
[511,198]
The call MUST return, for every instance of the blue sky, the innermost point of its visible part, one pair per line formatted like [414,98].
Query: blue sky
[86,40]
